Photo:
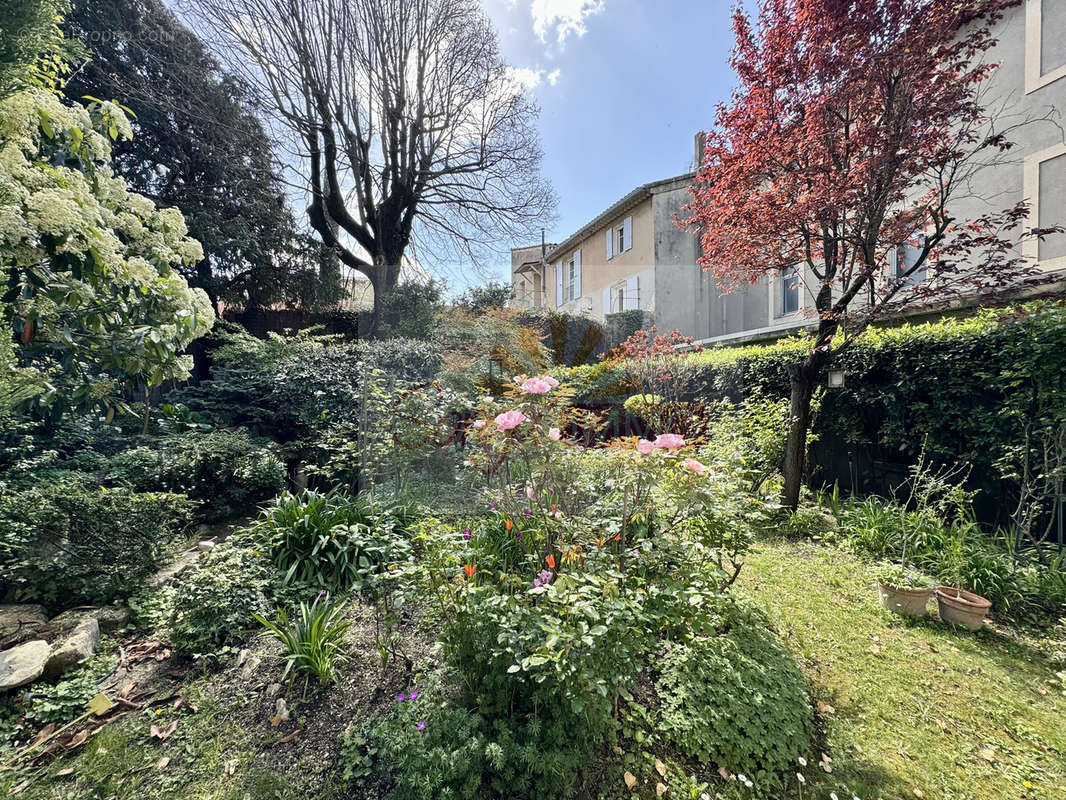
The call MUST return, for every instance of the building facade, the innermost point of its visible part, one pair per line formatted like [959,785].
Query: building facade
[634,256]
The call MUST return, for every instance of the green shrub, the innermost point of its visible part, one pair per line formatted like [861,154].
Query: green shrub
[67,543]
[447,758]
[227,472]
[216,601]
[737,700]
[331,541]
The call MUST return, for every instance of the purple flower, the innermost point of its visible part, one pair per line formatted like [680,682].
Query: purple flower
[413,695]
[421,726]
[517,533]
[543,579]
[401,697]
[528,512]
[323,593]
[492,506]
[467,534]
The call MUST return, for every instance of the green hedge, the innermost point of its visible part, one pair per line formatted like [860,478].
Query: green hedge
[968,389]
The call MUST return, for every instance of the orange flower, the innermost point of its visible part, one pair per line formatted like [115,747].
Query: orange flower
[618,537]
[601,542]
[470,569]
[508,524]
[550,561]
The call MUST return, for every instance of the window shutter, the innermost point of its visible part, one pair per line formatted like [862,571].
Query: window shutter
[607,301]
[610,244]
[577,274]
[632,294]
[628,232]
[559,284]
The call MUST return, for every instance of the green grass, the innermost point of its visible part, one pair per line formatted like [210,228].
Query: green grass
[915,705]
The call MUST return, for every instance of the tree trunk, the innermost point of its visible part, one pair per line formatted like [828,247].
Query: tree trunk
[803,377]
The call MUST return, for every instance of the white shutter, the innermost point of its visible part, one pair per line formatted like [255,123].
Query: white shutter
[627,226]
[632,294]
[577,274]
[559,284]
[610,244]
[607,301]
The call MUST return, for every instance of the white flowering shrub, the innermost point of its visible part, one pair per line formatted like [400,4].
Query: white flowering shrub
[93,281]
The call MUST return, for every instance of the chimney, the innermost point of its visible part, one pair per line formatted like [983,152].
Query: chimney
[701,143]
[543,246]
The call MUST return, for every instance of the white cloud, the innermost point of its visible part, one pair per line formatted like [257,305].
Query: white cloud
[562,17]
[525,77]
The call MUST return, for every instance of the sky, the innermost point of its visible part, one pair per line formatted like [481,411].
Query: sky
[623,87]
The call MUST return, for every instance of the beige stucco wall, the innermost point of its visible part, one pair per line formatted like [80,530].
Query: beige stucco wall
[597,273]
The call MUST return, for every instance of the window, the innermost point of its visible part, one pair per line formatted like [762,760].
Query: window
[790,291]
[1043,175]
[907,256]
[621,233]
[620,297]
[1045,45]
[571,280]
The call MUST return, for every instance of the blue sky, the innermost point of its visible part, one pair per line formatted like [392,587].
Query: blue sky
[623,87]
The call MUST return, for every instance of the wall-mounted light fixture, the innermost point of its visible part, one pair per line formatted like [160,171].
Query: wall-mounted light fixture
[836,379]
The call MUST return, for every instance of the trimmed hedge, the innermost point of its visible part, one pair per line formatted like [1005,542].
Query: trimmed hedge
[967,389]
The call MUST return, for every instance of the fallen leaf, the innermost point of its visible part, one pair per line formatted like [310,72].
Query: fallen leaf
[660,767]
[78,739]
[44,733]
[660,789]
[229,767]
[825,708]
[988,754]
[289,737]
[162,733]
[617,750]
[20,788]
[64,772]
[179,702]
[275,721]
[726,774]
[919,794]
[876,648]
[630,778]
[126,689]
[162,763]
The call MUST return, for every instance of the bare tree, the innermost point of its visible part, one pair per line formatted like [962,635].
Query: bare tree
[408,126]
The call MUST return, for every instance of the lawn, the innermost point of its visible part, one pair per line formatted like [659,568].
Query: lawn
[910,709]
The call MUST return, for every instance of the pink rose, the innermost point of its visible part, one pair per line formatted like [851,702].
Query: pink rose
[509,420]
[479,423]
[530,493]
[669,441]
[536,386]
[644,447]
[694,465]
[554,434]
[550,381]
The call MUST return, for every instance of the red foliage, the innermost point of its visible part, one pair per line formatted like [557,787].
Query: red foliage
[857,123]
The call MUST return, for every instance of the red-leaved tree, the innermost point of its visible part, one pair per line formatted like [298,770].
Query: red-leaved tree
[856,129]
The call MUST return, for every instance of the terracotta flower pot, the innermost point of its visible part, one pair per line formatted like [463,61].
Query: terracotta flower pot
[904,599]
[961,607]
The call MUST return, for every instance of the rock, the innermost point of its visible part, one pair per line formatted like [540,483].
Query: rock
[273,690]
[111,618]
[242,656]
[281,710]
[23,664]
[74,648]
[251,665]
[14,619]
[205,546]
